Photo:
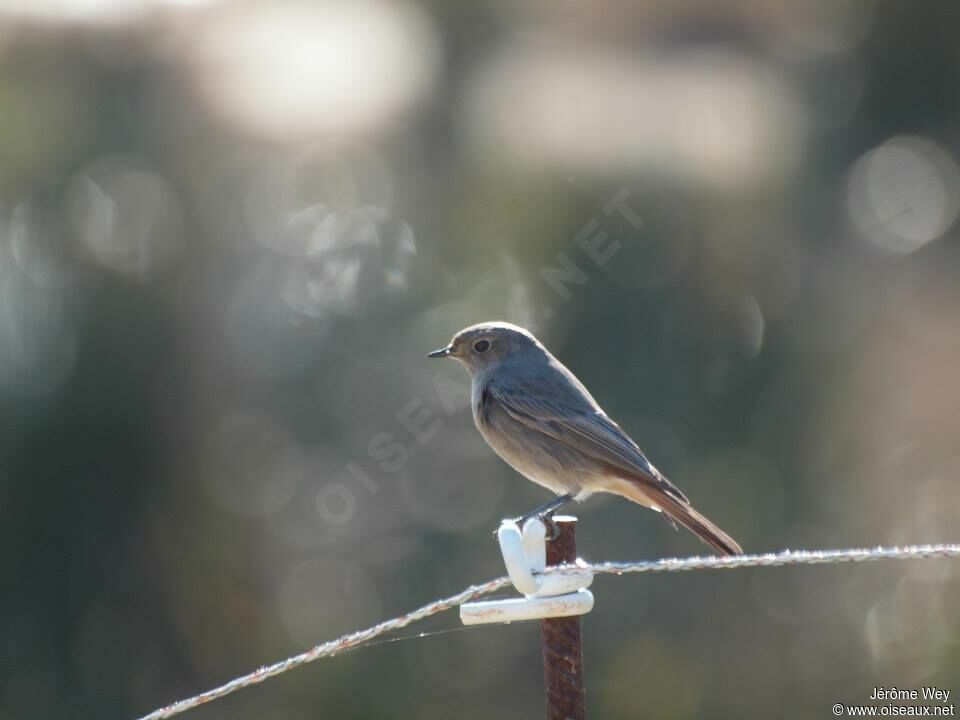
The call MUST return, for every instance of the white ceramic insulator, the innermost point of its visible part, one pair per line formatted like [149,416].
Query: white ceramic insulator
[515,559]
[563,583]
[527,608]
[535,544]
[525,557]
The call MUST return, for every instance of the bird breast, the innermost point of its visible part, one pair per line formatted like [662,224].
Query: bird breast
[535,456]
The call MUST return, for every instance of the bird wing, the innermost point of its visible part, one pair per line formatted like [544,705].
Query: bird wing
[587,429]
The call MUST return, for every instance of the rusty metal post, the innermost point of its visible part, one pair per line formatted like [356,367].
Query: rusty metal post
[562,649]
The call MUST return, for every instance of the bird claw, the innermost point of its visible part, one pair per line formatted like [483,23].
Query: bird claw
[553,531]
[545,514]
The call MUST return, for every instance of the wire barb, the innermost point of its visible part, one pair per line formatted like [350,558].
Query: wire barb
[363,637]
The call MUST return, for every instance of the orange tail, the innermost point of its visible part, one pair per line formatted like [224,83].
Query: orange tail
[700,526]
[682,512]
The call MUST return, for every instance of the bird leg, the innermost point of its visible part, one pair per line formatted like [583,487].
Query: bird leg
[546,511]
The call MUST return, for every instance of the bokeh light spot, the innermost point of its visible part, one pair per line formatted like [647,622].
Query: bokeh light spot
[126,216]
[904,194]
[297,70]
[38,342]
[324,597]
[253,466]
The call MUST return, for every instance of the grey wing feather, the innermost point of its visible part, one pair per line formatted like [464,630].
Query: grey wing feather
[580,425]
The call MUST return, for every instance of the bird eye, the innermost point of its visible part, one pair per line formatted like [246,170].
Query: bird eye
[481,345]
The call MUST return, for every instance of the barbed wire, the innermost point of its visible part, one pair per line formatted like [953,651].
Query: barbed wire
[363,637]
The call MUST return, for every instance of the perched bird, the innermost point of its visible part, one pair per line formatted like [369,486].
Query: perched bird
[544,423]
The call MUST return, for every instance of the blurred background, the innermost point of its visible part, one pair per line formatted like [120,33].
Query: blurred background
[229,231]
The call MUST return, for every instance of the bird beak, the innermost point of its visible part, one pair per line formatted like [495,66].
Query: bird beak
[442,352]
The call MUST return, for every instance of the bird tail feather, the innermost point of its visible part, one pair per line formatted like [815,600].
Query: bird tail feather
[683,513]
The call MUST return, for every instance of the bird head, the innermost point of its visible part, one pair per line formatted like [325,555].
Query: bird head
[480,346]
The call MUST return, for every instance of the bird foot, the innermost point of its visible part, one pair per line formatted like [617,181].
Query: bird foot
[545,517]
[545,514]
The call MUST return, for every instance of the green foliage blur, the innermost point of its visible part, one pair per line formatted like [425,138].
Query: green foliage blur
[230,231]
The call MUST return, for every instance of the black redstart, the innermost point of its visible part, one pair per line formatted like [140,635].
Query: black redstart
[538,417]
